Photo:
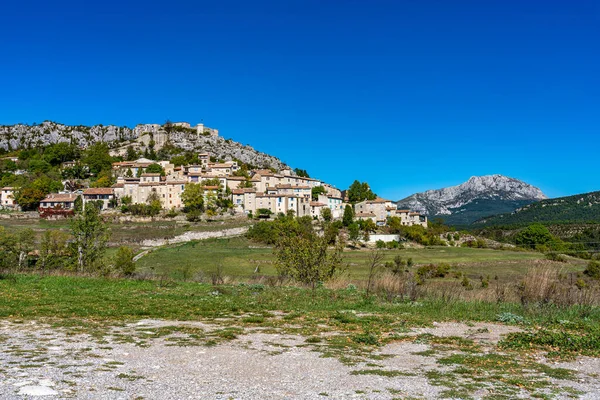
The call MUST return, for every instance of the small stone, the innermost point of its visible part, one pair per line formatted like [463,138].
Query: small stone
[45,382]
[37,391]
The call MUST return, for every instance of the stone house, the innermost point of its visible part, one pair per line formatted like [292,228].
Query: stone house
[7,197]
[104,195]
[64,201]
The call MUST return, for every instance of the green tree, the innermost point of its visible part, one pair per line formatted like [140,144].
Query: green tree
[179,161]
[28,198]
[301,173]
[131,155]
[60,152]
[305,256]
[193,197]
[326,214]
[15,248]
[123,261]
[359,192]
[353,232]
[90,234]
[367,225]
[98,158]
[38,166]
[316,191]
[53,250]
[8,255]
[104,179]
[155,169]
[348,217]
[154,204]
[534,235]
[78,204]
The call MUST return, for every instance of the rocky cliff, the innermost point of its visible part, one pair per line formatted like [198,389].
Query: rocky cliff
[18,136]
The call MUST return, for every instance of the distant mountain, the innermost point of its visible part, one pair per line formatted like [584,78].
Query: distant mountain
[579,208]
[479,197]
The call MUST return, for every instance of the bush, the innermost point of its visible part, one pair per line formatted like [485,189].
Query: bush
[433,271]
[556,257]
[593,270]
[380,244]
[194,216]
[392,245]
[264,232]
[124,261]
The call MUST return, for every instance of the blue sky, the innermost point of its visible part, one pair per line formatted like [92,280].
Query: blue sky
[406,95]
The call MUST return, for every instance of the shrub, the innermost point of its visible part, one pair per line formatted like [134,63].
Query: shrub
[124,261]
[466,283]
[392,245]
[433,271]
[194,216]
[510,318]
[556,257]
[380,244]
[593,270]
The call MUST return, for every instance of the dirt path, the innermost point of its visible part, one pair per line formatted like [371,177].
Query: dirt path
[175,360]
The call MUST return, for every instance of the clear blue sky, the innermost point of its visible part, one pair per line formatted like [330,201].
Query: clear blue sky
[407,95]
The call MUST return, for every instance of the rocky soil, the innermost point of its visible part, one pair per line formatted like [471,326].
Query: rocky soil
[153,359]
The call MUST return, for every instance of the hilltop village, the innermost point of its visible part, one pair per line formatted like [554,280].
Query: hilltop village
[225,185]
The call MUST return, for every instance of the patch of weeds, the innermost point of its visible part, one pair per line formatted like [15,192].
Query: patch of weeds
[254,319]
[425,353]
[510,318]
[116,389]
[130,377]
[382,372]
[345,317]
[505,372]
[323,394]
[558,343]
[458,393]
[313,339]
[366,338]
[292,316]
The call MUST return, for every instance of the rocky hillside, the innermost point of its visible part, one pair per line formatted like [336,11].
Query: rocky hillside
[480,196]
[21,136]
[580,208]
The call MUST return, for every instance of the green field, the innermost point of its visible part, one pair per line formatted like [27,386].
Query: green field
[240,258]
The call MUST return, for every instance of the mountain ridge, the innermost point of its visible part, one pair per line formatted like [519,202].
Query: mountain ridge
[578,208]
[478,197]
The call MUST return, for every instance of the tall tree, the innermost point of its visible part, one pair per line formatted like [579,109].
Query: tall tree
[348,217]
[90,234]
[359,192]
[193,197]
[98,158]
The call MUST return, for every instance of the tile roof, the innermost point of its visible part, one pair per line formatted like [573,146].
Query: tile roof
[92,191]
[60,198]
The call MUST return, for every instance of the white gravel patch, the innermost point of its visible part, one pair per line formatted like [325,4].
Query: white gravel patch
[39,361]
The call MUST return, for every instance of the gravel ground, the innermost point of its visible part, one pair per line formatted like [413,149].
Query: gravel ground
[38,361]
[192,235]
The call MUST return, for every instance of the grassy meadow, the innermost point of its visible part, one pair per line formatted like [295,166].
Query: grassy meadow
[242,259]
